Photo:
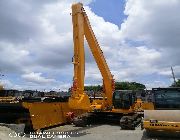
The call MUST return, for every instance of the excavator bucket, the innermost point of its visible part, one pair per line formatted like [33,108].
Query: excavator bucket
[81,102]
[47,114]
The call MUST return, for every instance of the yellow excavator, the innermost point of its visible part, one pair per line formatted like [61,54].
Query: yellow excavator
[39,113]
[115,105]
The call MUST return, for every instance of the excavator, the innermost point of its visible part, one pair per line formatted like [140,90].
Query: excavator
[40,113]
[116,105]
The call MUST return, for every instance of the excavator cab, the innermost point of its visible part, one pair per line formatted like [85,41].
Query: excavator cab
[123,99]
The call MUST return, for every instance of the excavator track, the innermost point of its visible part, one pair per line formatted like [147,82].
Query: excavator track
[130,122]
[84,120]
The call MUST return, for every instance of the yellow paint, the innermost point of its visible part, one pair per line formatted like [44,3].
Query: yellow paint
[81,29]
[141,106]
[79,102]
[162,125]
[47,114]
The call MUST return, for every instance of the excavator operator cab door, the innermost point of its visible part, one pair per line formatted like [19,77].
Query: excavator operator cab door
[123,99]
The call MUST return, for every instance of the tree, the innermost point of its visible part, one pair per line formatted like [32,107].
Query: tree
[118,86]
[129,86]
[93,88]
[177,84]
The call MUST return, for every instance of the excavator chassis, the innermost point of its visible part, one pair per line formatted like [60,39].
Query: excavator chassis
[127,121]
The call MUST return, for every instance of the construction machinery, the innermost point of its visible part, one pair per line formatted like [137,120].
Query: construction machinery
[26,112]
[43,112]
[115,105]
[166,113]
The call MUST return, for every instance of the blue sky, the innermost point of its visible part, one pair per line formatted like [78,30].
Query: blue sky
[141,46]
[110,10]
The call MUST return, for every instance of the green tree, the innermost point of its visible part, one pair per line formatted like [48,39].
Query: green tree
[118,86]
[93,88]
[177,84]
[129,86]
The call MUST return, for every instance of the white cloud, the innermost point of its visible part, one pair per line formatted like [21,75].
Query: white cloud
[37,78]
[7,84]
[42,44]
[155,84]
[155,24]
[167,72]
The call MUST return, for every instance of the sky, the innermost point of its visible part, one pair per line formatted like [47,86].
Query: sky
[111,11]
[139,38]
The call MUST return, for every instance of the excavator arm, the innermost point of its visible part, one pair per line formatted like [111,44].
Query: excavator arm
[81,28]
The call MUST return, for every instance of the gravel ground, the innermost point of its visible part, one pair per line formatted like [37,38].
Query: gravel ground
[95,132]
[105,132]
[7,134]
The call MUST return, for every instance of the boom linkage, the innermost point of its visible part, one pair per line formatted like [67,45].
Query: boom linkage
[81,28]
[108,80]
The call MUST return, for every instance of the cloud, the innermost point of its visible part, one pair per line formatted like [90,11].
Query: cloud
[36,43]
[157,24]
[37,78]
[7,84]
[146,44]
[12,57]
[149,42]
[155,84]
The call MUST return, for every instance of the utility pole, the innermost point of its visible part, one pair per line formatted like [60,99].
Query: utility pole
[173,75]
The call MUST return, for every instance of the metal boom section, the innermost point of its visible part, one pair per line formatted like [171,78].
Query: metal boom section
[81,28]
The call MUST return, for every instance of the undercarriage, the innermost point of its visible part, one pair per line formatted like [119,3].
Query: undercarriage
[129,121]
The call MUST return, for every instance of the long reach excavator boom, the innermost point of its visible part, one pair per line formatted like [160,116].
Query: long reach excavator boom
[81,28]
